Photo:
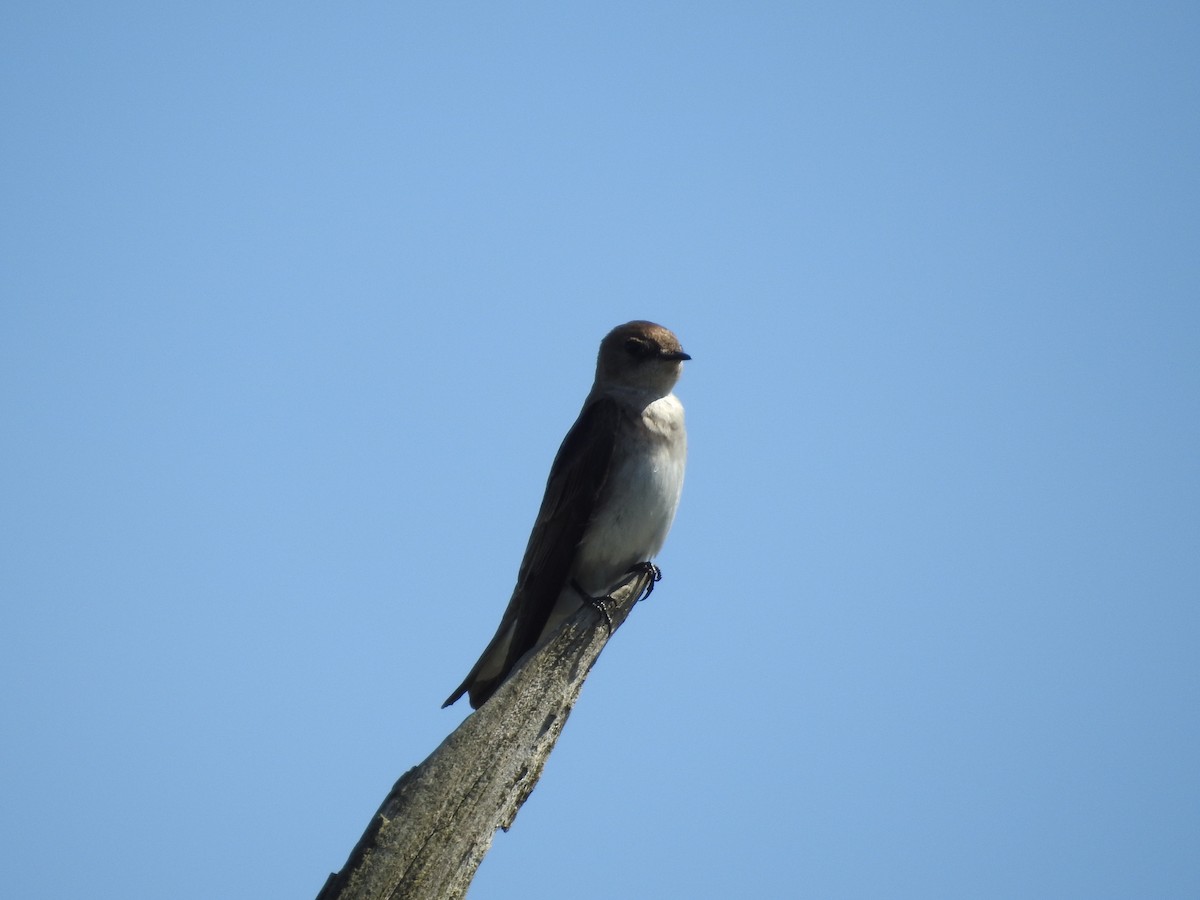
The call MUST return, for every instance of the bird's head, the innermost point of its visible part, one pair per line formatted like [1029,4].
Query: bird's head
[640,356]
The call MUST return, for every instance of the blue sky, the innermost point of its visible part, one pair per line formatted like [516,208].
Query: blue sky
[298,301]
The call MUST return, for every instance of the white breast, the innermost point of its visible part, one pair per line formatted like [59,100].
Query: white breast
[641,495]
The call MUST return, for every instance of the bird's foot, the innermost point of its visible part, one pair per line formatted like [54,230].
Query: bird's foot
[600,604]
[647,568]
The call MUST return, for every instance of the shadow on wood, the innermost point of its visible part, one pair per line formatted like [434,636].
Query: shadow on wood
[438,821]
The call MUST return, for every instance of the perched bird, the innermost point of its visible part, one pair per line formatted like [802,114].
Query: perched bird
[610,498]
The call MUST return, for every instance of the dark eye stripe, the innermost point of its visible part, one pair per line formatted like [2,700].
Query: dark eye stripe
[638,347]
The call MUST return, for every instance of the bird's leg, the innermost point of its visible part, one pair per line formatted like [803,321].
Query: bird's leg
[600,604]
[647,568]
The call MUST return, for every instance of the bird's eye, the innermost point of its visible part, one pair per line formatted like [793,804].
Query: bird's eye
[638,347]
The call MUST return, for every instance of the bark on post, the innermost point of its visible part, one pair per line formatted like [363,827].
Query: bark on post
[438,821]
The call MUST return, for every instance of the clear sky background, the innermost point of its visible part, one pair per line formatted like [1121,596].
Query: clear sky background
[298,301]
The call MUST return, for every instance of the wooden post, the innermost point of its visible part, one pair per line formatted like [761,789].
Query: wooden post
[437,823]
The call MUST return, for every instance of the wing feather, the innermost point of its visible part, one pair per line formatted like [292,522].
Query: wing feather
[573,488]
[576,480]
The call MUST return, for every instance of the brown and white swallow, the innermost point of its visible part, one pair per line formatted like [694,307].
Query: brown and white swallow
[610,498]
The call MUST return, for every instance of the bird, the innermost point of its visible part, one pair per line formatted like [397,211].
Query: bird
[610,498]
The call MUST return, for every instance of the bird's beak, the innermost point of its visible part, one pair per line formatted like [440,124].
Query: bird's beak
[675,355]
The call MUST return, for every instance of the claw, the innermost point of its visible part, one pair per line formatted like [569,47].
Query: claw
[600,604]
[647,568]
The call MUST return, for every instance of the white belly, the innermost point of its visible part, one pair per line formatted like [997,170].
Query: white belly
[639,502]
